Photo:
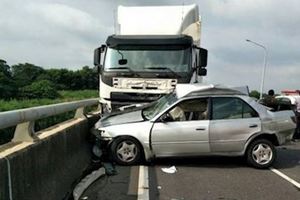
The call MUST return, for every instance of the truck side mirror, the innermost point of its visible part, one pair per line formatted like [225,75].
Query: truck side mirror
[97,57]
[202,57]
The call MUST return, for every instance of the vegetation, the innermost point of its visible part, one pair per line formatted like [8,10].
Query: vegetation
[255,94]
[27,81]
[40,89]
[64,96]
[7,85]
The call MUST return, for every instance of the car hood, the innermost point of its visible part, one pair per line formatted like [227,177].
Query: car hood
[120,118]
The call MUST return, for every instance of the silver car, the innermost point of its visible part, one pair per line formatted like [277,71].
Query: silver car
[196,120]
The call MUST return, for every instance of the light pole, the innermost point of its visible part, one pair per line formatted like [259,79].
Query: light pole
[264,67]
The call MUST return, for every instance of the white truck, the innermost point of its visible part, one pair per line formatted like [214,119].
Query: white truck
[154,49]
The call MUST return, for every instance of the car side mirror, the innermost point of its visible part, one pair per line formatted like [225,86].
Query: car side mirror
[166,118]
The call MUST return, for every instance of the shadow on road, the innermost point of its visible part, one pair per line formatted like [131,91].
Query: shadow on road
[203,161]
[287,158]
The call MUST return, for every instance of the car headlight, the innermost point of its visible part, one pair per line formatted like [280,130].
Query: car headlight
[104,135]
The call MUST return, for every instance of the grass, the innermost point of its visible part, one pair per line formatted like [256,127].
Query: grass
[80,94]
[66,96]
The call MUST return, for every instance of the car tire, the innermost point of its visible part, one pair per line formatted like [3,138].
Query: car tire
[261,153]
[126,151]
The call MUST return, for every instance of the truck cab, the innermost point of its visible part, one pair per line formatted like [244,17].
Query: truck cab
[140,69]
[150,55]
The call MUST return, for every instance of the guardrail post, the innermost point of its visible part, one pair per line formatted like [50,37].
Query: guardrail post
[100,108]
[80,113]
[24,132]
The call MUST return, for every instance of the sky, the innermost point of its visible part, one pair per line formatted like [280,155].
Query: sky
[64,34]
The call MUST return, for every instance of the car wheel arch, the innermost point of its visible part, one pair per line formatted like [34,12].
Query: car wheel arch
[267,136]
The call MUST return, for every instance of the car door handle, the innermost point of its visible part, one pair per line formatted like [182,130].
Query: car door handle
[253,126]
[200,129]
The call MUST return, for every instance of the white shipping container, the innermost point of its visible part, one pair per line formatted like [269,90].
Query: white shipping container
[160,20]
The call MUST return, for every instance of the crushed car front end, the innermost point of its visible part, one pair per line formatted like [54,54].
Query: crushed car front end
[129,124]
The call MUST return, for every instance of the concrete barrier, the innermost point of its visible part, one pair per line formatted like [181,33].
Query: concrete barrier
[46,168]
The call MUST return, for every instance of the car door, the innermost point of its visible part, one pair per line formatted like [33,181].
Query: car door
[233,121]
[182,130]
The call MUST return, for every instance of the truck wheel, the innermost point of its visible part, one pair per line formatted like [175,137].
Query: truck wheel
[126,151]
[261,153]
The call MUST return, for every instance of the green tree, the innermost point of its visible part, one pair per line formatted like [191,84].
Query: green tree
[25,74]
[255,94]
[62,78]
[89,78]
[40,89]
[8,88]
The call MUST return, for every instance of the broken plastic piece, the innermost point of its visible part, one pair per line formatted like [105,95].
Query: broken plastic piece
[109,169]
[170,170]
[97,151]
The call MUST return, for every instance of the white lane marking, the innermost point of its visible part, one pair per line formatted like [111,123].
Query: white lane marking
[143,185]
[282,175]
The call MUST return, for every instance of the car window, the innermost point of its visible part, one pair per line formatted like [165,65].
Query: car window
[190,110]
[159,105]
[284,104]
[231,108]
[284,100]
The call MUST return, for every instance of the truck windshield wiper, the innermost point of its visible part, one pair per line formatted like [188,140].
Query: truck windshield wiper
[128,68]
[165,68]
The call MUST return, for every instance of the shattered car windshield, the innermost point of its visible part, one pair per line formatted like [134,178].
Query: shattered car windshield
[159,105]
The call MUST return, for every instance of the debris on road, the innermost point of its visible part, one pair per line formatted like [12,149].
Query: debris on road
[170,170]
[110,169]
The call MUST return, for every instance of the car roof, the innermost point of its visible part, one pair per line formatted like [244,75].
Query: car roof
[200,89]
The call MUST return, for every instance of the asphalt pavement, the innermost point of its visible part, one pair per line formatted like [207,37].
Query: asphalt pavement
[216,178]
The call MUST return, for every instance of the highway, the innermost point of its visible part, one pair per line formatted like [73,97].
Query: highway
[216,178]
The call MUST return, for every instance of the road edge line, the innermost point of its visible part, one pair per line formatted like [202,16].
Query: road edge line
[282,175]
[143,183]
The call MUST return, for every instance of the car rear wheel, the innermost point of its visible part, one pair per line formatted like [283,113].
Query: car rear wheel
[126,151]
[261,153]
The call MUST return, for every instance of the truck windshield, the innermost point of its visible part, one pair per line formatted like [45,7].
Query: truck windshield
[159,105]
[147,60]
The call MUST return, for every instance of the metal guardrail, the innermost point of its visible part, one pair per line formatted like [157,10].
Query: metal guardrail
[24,118]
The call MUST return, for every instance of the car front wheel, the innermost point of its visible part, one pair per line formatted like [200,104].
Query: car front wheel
[126,151]
[261,153]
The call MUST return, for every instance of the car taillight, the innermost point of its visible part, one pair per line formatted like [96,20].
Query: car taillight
[294,119]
